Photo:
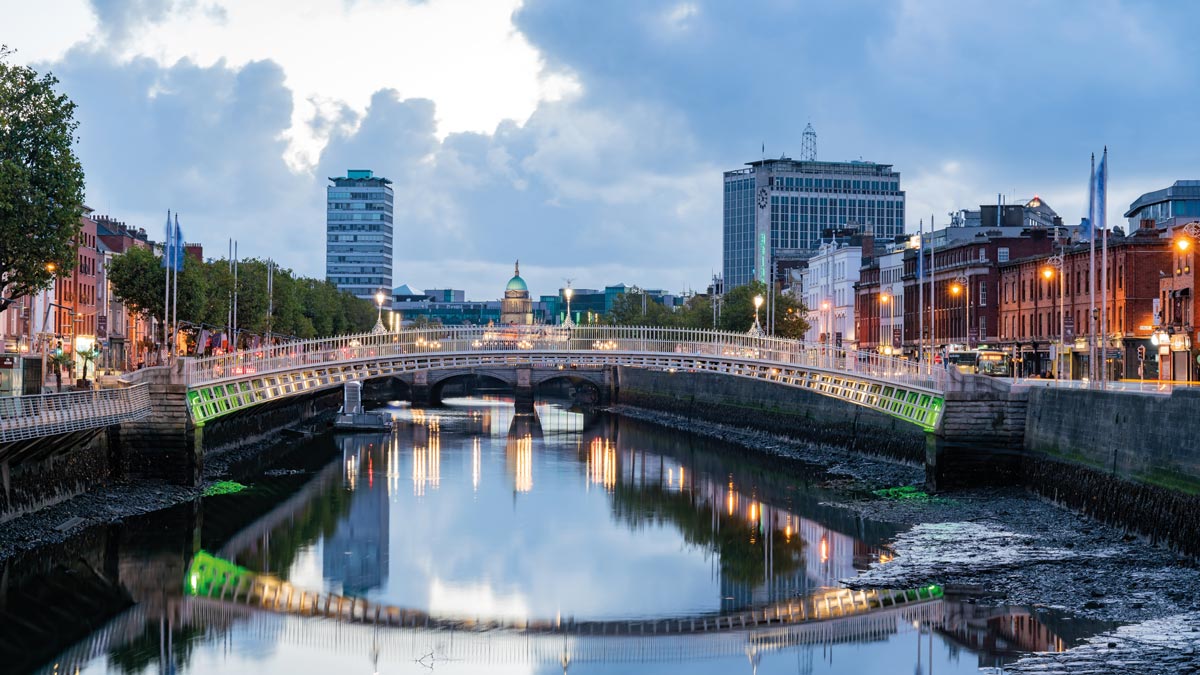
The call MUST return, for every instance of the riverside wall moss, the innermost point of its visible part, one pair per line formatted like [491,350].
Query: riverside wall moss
[1125,459]
[773,408]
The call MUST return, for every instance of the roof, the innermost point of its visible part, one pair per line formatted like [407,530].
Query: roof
[404,289]
[1182,189]
[516,284]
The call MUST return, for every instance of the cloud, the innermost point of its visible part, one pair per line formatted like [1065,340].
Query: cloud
[588,139]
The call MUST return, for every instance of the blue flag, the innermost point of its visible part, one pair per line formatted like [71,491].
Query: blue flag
[1088,226]
[177,261]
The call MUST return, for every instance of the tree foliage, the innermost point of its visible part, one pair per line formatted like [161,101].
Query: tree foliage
[41,181]
[737,311]
[300,306]
[635,308]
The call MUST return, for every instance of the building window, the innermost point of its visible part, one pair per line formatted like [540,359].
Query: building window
[983,295]
[982,327]
[1002,254]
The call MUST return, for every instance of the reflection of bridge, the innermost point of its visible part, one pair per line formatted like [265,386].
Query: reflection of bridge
[219,385]
[214,578]
[495,647]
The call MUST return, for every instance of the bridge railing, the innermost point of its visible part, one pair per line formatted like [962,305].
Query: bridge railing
[560,340]
[25,417]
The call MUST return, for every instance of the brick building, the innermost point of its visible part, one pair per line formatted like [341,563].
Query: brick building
[1033,320]
[973,254]
[1178,306]
[75,313]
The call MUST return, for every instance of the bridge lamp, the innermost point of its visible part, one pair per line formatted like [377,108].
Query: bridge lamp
[567,293]
[757,329]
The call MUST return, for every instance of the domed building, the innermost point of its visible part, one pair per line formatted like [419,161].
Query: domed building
[516,307]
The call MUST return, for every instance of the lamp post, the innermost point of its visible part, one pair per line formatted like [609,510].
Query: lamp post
[567,293]
[885,299]
[1054,267]
[961,284]
[378,328]
[756,330]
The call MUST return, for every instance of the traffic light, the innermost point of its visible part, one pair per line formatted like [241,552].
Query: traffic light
[58,348]
[1141,352]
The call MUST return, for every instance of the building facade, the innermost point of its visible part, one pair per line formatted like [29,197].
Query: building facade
[1168,207]
[879,301]
[1040,304]
[780,209]
[516,308]
[358,233]
[829,292]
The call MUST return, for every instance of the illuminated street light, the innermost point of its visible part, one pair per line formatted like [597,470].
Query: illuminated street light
[567,293]
[379,319]
[756,329]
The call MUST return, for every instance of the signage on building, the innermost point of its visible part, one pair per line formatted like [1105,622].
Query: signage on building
[8,361]
[1069,326]
[102,327]
[896,338]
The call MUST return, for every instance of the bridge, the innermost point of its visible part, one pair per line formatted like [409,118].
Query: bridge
[25,418]
[220,385]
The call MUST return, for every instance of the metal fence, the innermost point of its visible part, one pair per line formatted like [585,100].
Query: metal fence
[25,417]
[563,341]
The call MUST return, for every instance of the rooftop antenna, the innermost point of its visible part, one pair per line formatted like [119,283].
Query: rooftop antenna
[808,148]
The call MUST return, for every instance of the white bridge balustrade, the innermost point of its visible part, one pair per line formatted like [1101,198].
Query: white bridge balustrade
[28,417]
[219,385]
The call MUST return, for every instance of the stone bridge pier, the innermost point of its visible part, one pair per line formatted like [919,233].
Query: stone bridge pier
[601,381]
[981,437]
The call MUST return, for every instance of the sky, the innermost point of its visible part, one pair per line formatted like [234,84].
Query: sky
[588,139]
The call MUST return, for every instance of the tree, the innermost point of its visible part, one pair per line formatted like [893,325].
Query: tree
[139,279]
[41,181]
[634,307]
[737,311]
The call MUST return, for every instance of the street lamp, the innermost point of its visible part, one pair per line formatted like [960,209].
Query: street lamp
[756,330]
[885,299]
[961,284]
[567,293]
[378,328]
[1054,266]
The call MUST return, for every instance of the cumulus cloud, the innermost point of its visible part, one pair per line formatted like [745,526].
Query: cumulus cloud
[588,139]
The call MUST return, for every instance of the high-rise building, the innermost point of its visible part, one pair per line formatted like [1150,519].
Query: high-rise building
[781,208]
[358,234]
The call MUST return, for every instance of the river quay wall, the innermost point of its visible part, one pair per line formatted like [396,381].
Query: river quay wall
[794,413]
[1124,459]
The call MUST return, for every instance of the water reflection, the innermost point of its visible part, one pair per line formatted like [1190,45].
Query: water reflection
[553,516]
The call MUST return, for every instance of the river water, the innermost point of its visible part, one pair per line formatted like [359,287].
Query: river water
[471,511]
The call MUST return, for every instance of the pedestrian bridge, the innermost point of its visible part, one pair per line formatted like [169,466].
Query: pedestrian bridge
[220,385]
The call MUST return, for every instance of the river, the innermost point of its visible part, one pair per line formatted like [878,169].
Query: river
[471,512]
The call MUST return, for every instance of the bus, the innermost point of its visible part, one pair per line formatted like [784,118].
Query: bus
[990,362]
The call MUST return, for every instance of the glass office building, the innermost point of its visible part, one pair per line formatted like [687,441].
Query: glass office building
[1180,201]
[358,234]
[780,208]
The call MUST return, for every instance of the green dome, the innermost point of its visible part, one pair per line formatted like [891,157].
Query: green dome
[516,284]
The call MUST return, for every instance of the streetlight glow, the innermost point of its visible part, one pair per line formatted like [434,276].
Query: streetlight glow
[1048,273]
[1183,243]
[758,301]
[884,298]
[956,289]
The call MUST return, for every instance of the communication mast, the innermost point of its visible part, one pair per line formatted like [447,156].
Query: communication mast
[808,149]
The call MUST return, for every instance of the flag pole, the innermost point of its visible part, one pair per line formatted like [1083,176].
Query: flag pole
[932,296]
[176,261]
[1102,206]
[921,294]
[166,291]
[1092,275]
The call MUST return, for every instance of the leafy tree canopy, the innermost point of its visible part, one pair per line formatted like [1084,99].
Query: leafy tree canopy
[41,181]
